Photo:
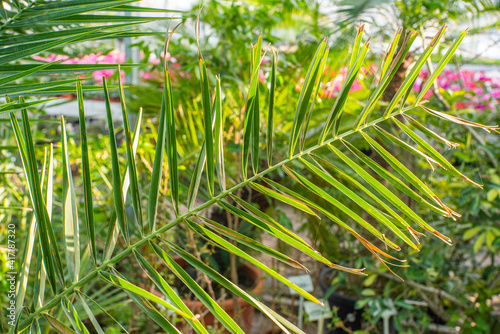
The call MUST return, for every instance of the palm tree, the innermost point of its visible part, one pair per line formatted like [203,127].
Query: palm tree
[69,275]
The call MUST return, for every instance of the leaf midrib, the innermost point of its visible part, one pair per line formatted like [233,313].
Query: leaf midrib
[75,286]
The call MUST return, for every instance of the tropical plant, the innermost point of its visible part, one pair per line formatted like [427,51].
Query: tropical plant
[87,264]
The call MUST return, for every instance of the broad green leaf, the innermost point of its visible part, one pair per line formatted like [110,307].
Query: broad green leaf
[115,167]
[87,180]
[470,233]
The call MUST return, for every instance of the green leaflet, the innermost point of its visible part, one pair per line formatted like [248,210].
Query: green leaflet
[132,171]
[112,236]
[70,212]
[117,180]
[270,115]
[87,181]
[433,152]
[202,296]
[323,194]
[221,242]
[207,121]
[123,284]
[217,277]
[73,316]
[355,63]
[172,145]
[219,137]
[249,133]
[167,290]
[384,82]
[305,96]
[154,190]
[440,66]
[410,78]
[358,200]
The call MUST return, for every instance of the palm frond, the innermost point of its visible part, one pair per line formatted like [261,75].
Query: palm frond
[388,220]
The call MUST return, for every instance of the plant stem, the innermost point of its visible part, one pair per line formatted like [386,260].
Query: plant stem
[75,286]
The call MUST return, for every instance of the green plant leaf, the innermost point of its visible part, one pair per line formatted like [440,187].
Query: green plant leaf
[123,284]
[305,96]
[115,166]
[87,180]
[154,190]
[70,211]
[200,294]
[270,115]
[73,316]
[132,170]
[166,289]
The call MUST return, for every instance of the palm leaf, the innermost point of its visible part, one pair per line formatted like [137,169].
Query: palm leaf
[383,204]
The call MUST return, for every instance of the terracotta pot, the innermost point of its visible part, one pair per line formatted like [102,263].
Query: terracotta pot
[247,310]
